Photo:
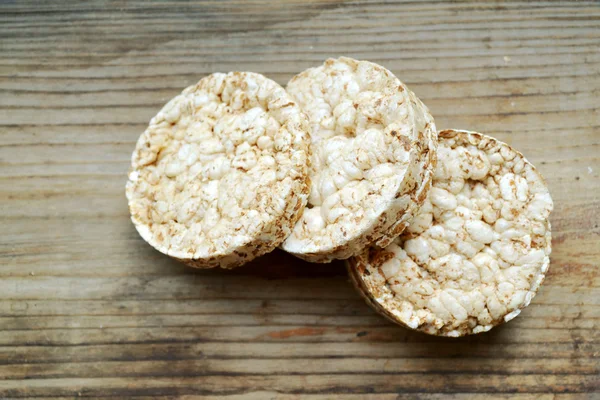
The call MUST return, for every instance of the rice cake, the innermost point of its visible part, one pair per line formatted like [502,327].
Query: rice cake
[220,176]
[374,145]
[476,253]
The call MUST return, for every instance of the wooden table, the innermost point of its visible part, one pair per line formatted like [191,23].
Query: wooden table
[88,309]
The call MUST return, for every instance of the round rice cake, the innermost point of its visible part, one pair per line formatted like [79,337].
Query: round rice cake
[220,176]
[374,145]
[476,253]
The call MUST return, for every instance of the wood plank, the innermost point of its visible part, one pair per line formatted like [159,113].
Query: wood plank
[306,383]
[171,368]
[291,351]
[260,395]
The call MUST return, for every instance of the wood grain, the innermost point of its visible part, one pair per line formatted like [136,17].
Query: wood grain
[88,310]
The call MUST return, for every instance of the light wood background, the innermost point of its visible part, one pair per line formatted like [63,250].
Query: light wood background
[88,309]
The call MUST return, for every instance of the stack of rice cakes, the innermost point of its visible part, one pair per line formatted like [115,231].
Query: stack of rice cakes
[448,236]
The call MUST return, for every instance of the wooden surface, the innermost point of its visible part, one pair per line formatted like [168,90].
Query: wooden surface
[88,309]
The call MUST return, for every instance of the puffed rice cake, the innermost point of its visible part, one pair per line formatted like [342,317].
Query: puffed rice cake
[220,176]
[374,151]
[476,253]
